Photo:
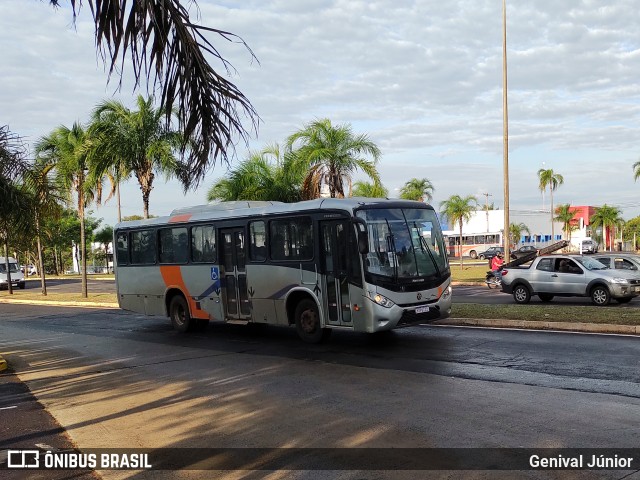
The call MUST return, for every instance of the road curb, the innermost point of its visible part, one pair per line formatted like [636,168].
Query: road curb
[544,325]
[62,304]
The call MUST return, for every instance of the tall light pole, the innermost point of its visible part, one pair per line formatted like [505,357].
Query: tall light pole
[505,128]
[486,207]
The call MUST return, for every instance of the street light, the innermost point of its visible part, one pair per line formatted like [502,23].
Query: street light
[505,128]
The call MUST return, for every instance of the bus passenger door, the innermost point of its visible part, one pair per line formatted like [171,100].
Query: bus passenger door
[336,253]
[234,287]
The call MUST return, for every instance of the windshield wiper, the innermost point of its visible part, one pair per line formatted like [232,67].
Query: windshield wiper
[424,246]
[391,246]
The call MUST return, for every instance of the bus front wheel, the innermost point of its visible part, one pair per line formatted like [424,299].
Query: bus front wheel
[308,322]
[179,313]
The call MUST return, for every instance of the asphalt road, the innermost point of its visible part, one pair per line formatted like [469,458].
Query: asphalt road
[113,379]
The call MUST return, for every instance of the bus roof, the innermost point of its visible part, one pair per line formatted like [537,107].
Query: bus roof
[237,209]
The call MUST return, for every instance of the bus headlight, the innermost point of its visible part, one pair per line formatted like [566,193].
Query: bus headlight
[447,293]
[380,299]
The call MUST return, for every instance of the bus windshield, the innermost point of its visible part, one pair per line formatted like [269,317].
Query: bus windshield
[404,243]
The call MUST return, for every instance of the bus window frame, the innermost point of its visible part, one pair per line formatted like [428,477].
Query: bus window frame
[216,257]
[154,241]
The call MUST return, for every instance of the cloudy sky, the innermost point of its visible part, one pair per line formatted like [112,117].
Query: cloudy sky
[423,79]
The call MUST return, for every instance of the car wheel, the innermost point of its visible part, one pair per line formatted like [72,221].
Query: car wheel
[521,294]
[180,316]
[600,295]
[473,254]
[624,299]
[308,322]
[481,257]
[545,297]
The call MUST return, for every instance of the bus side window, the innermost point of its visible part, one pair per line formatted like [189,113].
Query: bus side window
[257,247]
[122,252]
[203,244]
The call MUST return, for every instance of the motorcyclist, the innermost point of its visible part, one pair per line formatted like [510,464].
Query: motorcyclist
[496,265]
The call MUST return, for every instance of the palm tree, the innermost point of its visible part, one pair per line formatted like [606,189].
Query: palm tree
[606,216]
[163,44]
[48,198]
[105,237]
[331,155]
[515,232]
[65,150]
[459,210]
[369,190]
[14,200]
[636,170]
[564,215]
[417,189]
[132,142]
[265,175]
[552,180]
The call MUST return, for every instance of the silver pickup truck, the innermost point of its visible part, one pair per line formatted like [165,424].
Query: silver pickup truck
[570,276]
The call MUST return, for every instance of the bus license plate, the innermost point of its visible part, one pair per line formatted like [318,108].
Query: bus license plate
[422,309]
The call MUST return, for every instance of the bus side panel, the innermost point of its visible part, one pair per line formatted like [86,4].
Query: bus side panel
[267,293]
[204,290]
[141,289]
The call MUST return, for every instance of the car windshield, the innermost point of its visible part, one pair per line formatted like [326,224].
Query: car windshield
[591,264]
[13,268]
[404,242]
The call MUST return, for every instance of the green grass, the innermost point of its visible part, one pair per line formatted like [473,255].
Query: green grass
[613,314]
[472,273]
[33,294]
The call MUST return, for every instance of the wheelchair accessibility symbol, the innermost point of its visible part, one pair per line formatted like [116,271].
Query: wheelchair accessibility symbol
[215,275]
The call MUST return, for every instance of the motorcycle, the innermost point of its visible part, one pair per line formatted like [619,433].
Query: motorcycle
[492,280]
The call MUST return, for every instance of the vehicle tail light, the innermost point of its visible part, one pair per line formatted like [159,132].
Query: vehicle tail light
[504,272]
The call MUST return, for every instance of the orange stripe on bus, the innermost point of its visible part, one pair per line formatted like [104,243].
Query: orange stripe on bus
[181,218]
[172,276]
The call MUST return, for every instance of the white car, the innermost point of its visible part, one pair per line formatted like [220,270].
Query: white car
[17,278]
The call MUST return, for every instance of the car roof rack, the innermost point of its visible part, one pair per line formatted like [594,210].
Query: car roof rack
[543,251]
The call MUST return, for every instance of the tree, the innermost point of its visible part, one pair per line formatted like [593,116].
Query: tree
[167,47]
[606,216]
[14,200]
[564,214]
[459,210]
[266,175]
[137,142]
[417,189]
[331,155]
[47,203]
[105,237]
[515,233]
[65,151]
[548,178]
[369,190]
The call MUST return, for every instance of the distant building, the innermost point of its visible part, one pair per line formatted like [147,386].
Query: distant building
[537,221]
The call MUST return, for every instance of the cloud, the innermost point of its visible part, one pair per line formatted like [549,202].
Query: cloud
[422,78]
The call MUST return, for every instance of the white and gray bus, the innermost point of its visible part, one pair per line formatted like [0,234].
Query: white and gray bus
[365,265]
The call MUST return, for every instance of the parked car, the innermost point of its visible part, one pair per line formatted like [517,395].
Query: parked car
[589,246]
[17,278]
[28,270]
[570,276]
[523,251]
[619,261]
[490,252]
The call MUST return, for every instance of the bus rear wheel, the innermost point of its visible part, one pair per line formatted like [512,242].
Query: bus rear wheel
[308,322]
[179,314]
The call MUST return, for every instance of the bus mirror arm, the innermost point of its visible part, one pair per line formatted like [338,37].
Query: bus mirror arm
[363,236]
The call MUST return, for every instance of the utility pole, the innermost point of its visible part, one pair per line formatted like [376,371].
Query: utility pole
[505,144]
[486,207]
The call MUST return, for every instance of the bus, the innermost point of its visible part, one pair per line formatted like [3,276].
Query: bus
[473,244]
[364,265]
